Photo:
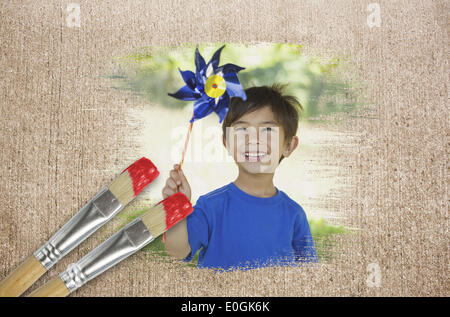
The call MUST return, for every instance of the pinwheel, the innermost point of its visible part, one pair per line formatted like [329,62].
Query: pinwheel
[210,87]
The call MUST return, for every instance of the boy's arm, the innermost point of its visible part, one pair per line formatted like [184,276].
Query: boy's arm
[177,243]
[303,241]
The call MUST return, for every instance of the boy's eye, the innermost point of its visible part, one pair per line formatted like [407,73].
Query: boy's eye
[240,129]
[267,129]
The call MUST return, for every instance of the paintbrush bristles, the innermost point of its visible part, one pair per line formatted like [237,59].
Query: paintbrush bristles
[122,188]
[155,220]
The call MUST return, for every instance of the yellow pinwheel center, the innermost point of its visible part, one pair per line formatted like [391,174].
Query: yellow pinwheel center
[215,86]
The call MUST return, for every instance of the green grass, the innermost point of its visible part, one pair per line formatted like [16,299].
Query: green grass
[321,231]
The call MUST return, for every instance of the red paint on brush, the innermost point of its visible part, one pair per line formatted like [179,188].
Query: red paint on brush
[177,207]
[142,172]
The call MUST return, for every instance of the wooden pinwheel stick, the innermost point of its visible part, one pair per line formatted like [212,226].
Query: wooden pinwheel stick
[186,144]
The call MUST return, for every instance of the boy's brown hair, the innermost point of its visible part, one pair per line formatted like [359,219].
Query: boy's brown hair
[285,108]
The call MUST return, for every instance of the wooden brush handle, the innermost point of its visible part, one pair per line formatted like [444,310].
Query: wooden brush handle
[19,280]
[54,288]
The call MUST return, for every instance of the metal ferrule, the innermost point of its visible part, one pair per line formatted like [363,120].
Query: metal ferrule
[121,245]
[92,216]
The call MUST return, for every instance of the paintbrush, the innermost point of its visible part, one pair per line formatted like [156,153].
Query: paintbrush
[125,242]
[103,207]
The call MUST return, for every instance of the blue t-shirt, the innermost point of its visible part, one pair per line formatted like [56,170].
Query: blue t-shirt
[233,229]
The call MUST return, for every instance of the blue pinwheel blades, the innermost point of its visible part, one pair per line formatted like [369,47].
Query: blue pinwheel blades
[211,87]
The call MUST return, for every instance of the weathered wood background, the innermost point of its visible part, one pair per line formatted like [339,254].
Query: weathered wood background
[64,133]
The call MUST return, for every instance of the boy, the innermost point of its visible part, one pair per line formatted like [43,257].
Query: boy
[248,223]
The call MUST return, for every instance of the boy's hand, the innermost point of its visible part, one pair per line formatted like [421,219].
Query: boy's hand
[176,182]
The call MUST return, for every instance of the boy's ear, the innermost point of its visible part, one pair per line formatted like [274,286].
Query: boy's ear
[291,146]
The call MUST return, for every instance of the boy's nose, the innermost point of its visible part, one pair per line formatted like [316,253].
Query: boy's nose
[252,138]
[252,142]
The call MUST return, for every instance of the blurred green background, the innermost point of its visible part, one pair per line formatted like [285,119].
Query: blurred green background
[153,72]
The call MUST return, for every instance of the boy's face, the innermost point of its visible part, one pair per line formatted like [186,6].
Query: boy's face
[256,141]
